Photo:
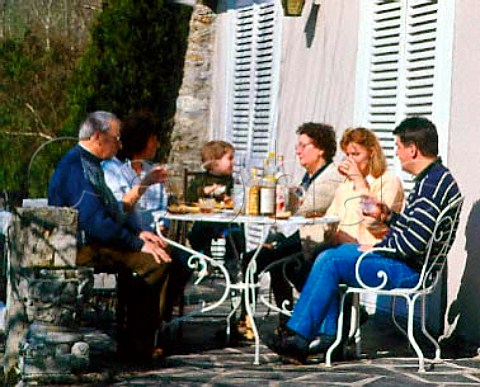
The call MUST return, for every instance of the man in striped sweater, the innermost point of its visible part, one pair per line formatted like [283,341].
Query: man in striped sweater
[316,312]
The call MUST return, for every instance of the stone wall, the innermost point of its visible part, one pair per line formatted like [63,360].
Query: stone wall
[45,297]
[192,119]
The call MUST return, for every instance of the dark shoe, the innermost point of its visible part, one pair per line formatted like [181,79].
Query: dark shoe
[282,330]
[290,348]
[320,344]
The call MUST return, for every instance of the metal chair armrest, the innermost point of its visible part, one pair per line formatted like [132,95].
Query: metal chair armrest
[380,273]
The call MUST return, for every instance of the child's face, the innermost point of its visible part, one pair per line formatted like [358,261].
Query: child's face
[224,165]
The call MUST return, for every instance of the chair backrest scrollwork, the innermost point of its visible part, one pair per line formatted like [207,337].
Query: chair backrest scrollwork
[440,243]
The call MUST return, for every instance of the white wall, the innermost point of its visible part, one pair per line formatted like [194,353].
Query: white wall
[318,69]
[464,161]
[318,64]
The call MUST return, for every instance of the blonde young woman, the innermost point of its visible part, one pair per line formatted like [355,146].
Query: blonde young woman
[365,170]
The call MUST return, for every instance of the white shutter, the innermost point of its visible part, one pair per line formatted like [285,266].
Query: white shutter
[253,104]
[385,73]
[402,69]
[242,80]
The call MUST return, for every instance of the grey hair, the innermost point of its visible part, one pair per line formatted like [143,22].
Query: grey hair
[96,121]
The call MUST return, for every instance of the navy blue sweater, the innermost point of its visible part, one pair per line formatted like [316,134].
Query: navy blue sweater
[410,231]
[69,187]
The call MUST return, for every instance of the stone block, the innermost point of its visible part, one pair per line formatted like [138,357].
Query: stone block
[44,237]
[53,354]
[55,296]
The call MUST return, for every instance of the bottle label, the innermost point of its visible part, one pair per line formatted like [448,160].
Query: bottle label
[267,200]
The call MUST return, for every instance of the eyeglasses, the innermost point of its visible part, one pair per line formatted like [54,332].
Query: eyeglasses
[301,146]
[116,138]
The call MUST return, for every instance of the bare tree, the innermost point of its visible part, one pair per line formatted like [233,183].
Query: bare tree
[70,18]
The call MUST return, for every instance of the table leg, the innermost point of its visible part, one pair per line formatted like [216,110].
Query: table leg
[249,287]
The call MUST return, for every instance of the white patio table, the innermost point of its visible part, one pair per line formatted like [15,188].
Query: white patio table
[201,261]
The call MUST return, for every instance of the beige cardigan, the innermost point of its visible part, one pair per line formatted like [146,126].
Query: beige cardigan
[318,198]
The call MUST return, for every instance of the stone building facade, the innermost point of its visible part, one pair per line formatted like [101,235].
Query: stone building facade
[192,119]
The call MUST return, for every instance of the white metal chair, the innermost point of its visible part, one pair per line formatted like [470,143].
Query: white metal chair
[435,261]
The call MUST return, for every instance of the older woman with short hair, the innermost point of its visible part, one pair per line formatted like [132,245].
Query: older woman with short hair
[315,149]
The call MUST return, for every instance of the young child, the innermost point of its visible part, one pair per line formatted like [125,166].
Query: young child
[216,182]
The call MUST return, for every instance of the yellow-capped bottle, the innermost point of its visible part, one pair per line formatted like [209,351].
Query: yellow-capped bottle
[253,194]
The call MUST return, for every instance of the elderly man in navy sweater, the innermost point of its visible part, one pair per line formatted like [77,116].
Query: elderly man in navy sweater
[316,311]
[106,240]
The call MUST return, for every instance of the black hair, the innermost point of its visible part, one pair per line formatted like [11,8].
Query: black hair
[420,132]
[137,128]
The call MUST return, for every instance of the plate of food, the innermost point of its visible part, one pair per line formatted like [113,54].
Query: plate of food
[183,209]
[224,205]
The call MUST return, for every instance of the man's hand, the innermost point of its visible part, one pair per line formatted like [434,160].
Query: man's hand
[159,254]
[375,209]
[149,236]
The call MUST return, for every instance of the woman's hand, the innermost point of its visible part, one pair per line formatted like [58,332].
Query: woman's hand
[158,174]
[349,168]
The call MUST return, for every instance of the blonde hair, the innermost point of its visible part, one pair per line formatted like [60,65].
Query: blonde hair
[367,139]
[214,150]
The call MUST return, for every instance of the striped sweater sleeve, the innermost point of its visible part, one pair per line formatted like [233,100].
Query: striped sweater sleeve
[412,229]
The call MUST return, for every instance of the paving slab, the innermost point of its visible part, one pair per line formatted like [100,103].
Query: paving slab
[203,358]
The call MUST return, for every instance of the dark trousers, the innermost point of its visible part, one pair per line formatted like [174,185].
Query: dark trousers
[179,275]
[142,285]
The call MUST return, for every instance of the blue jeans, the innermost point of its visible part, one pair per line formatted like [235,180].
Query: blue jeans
[317,308]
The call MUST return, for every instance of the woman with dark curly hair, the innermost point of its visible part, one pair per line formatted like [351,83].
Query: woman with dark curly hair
[315,149]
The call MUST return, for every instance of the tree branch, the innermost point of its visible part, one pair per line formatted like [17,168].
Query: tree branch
[28,134]
[35,114]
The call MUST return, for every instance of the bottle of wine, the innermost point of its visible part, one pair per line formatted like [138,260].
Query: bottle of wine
[267,187]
